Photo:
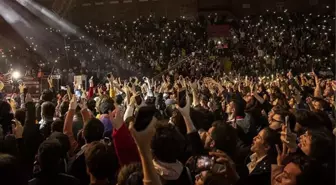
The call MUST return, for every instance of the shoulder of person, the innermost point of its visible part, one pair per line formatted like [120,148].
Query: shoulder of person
[264,166]
[75,161]
[68,179]
[32,181]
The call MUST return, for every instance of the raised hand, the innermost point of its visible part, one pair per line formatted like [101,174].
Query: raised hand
[133,100]
[146,80]
[111,78]
[91,81]
[287,137]
[290,74]
[125,89]
[228,164]
[185,111]
[83,103]
[136,81]
[193,85]
[116,118]
[143,138]
[282,154]
[84,94]
[50,82]
[17,129]
[333,85]
[73,103]
[22,86]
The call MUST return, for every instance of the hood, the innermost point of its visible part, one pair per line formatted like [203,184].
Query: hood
[168,171]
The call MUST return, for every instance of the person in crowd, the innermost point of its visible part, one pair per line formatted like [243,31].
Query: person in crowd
[10,170]
[263,156]
[49,157]
[93,131]
[318,143]
[131,174]
[99,163]
[298,171]
[167,146]
[47,114]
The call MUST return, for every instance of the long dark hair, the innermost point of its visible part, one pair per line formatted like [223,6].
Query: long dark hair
[272,138]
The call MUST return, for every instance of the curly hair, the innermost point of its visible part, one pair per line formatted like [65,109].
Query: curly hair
[131,174]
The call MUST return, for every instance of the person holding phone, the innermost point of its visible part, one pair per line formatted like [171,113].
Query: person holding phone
[264,155]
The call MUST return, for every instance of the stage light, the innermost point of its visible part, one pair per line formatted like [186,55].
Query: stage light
[16,75]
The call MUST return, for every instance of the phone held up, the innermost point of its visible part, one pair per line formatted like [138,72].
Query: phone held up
[204,163]
[144,116]
[182,98]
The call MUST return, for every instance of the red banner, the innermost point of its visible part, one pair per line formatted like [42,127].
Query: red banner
[219,31]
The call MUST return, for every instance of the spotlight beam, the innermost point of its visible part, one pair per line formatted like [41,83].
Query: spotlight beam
[39,10]
[25,26]
[54,20]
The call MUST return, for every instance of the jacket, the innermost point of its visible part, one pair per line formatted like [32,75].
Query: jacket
[261,174]
[77,167]
[184,179]
[125,147]
[55,179]
[32,138]
[45,127]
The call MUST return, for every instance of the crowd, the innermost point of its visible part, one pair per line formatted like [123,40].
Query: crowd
[173,131]
[282,42]
[269,120]
[268,43]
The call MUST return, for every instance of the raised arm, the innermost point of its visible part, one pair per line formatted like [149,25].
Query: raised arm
[22,96]
[67,129]
[192,134]
[317,91]
[91,88]
[143,140]
[124,144]
[194,90]
[30,111]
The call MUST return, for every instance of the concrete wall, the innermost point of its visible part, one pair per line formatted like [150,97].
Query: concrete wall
[83,11]
[104,10]
[260,6]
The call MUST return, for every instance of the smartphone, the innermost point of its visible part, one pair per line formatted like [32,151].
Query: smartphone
[143,117]
[78,94]
[182,98]
[204,162]
[208,163]
[287,124]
